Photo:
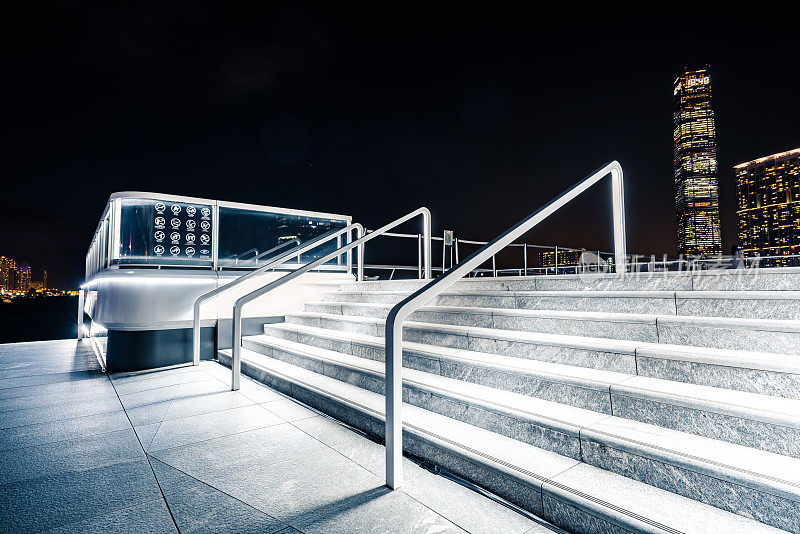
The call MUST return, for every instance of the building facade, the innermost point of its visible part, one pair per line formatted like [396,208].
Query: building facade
[768,207]
[565,258]
[695,165]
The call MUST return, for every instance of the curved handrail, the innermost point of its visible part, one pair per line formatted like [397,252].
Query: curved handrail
[401,311]
[296,251]
[275,249]
[236,353]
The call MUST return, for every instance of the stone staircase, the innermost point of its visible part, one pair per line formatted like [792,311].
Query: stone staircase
[651,403]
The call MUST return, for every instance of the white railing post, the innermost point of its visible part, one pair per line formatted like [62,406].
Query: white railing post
[196,332]
[236,352]
[426,242]
[419,256]
[618,203]
[359,234]
[525,257]
[394,399]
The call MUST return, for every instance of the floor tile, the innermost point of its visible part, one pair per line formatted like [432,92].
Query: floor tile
[198,507]
[47,502]
[52,378]
[69,410]
[73,455]
[178,432]
[289,410]
[151,517]
[466,508]
[62,429]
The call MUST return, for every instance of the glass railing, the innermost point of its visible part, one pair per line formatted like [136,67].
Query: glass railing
[167,231]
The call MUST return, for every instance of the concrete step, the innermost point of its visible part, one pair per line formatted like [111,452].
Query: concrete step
[572,495]
[742,371]
[766,335]
[739,304]
[766,279]
[757,421]
[576,386]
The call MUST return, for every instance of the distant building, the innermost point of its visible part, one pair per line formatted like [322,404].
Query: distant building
[24,281]
[565,258]
[8,274]
[44,279]
[768,207]
[695,165]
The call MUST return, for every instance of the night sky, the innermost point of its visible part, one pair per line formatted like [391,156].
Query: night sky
[480,116]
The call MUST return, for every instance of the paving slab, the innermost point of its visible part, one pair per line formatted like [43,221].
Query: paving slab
[174,450]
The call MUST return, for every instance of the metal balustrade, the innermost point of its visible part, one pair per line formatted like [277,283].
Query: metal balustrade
[401,312]
[275,262]
[236,351]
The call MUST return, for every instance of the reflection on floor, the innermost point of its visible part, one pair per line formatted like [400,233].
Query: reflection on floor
[176,450]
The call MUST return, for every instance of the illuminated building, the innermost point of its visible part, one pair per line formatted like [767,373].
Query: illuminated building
[695,164]
[565,258]
[768,207]
[23,281]
[7,267]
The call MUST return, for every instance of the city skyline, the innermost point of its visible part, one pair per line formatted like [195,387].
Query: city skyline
[313,108]
[16,276]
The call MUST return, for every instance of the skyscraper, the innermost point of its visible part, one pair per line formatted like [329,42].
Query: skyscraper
[768,207]
[24,277]
[695,163]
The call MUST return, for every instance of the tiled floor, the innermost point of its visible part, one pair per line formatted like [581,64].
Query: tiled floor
[176,450]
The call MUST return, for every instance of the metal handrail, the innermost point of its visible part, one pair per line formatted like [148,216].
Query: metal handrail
[236,352]
[296,251]
[275,249]
[400,312]
[237,256]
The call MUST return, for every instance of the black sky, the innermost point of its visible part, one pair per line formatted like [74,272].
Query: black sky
[481,116]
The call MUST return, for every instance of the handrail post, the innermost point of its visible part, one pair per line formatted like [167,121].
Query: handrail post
[196,332]
[525,257]
[618,204]
[394,400]
[236,353]
[426,242]
[359,234]
[419,256]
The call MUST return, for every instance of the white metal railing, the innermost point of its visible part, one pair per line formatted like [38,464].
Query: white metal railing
[236,351]
[527,267]
[400,312]
[275,262]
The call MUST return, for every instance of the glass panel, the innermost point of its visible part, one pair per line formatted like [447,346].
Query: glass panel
[248,238]
[165,233]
